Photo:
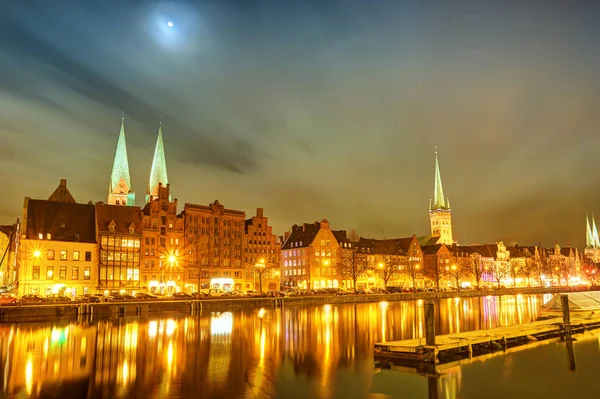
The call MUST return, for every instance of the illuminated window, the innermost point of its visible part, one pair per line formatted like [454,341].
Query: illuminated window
[87,273]
[41,236]
[75,255]
[48,236]
[75,274]
[50,273]
[62,273]
[63,255]
[50,255]
[36,273]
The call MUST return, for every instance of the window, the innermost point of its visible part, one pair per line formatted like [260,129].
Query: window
[63,255]
[87,272]
[75,255]
[50,273]
[50,254]
[88,256]
[177,241]
[48,236]
[75,274]
[104,241]
[36,273]
[62,273]
[41,236]
[147,240]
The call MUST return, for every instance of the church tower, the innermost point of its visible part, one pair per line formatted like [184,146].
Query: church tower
[119,186]
[158,173]
[440,214]
[592,242]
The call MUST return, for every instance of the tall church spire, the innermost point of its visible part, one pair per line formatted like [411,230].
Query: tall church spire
[589,235]
[119,189]
[439,202]
[596,241]
[158,173]
[440,215]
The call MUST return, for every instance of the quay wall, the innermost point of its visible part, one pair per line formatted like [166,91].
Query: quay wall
[74,311]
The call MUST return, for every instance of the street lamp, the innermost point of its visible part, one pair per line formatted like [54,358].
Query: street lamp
[36,256]
[260,267]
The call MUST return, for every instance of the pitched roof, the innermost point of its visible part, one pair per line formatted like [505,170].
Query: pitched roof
[8,229]
[427,240]
[63,221]
[158,172]
[431,249]
[404,242]
[123,217]
[303,235]
[381,247]
[519,251]
[62,194]
[340,236]
[120,164]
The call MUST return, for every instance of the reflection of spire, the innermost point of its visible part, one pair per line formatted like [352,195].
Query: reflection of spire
[439,202]
[158,173]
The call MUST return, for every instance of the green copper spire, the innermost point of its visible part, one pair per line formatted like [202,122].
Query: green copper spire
[589,236]
[158,173]
[439,202]
[120,165]
[596,241]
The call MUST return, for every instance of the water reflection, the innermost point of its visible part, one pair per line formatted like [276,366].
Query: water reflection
[322,352]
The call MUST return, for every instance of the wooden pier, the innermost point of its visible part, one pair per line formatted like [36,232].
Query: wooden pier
[447,348]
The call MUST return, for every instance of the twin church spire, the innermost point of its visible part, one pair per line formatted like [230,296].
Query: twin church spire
[119,189]
[591,236]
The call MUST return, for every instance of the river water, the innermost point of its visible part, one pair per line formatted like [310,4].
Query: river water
[314,352]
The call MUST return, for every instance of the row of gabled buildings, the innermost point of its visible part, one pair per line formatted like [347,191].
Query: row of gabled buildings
[64,246]
[314,256]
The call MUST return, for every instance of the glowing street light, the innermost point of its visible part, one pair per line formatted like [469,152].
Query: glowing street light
[37,254]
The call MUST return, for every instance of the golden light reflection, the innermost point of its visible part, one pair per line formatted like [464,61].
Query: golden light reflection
[262,312]
[29,374]
[171,326]
[152,328]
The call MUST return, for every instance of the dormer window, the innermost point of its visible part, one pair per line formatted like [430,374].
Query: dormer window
[41,236]
[111,226]
[131,228]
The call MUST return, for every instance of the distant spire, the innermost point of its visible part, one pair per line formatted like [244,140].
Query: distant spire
[438,192]
[158,173]
[589,235]
[121,164]
[596,241]
[430,204]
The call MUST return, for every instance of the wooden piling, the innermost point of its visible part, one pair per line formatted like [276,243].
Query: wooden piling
[564,301]
[429,323]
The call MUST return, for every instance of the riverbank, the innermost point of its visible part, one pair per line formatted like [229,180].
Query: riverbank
[74,311]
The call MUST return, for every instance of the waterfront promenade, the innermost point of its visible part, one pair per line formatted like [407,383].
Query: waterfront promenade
[76,310]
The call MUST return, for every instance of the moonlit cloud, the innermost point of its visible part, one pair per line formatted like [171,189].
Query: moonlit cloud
[314,109]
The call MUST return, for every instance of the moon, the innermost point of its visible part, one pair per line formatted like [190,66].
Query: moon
[170,24]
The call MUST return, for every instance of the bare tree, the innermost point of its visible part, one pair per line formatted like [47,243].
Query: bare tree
[476,268]
[437,272]
[514,271]
[352,264]
[529,269]
[567,270]
[353,236]
[499,271]
[383,267]
[457,270]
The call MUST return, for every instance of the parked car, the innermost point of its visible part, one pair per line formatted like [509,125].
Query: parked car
[122,297]
[214,292]
[8,299]
[33,298]
[57,298]
[102,297]
[87,298]
[199,295]
[180,295]
[145,295]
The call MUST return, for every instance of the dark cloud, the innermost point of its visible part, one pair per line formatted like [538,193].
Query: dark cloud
[315,110]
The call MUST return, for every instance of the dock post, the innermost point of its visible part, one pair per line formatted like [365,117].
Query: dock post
[564,301]
[429,323]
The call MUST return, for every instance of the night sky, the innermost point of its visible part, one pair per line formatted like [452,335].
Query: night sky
[314,109]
